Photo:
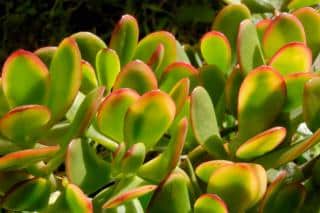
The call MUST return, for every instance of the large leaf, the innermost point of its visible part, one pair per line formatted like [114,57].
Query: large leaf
[210,203]
[124,38]
[311,106]
[77,201]
[206,169]
[25,79]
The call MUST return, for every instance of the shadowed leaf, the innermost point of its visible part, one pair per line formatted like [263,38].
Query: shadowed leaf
[311,106]
[179,93]
[46,54]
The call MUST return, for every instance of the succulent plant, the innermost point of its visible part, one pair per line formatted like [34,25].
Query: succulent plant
[150,125]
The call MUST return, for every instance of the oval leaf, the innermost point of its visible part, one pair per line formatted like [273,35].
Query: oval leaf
[89,80]
[311,106]
[206,169]
[46,54]
[210,203]
[180,93]
[77,201]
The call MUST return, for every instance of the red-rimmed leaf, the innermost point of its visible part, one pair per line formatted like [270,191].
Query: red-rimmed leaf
[295,4]
[262,179]
[276,35]
[133,158]
[292,58]
[89,79]
[210,203]
[148,118]
[77,201]
[206,169]
[25,123]
[156,58]
[161,166]
[25,68]
[65,78]
[107,67]
[263,89]
[175,72]
[261,143]
[180,93]
[216,50]
[27,157]
[148,45]
[124,38]
[311,106]
[112,111]
[262,26]
[89,45]
[138,76]
[249,51]
[46,54]
[228,20]
[84,167]
[36,198]
[128,195]
[310,20]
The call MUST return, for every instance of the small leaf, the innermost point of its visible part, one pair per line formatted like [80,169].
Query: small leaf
[311,106]
[65,78]
[232,88]
[89,45]
[89,80]
[180,93]
[138,76]
[133,158]
[77,201]
[216,50]
[292,58]
[175,72]
[112,111]
[206,169]
[46,54]
[210,203]
[124,38]
[148,118]
[107,67]
[295,4]
[147,46]
[25,68]
[249,50]
[156,58]
[276,35]
[25,123]
[261,143]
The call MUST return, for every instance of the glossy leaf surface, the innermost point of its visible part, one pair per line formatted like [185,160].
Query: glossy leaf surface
[210,203]
[206,169]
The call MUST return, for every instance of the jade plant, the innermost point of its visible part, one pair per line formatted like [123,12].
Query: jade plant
[230,124]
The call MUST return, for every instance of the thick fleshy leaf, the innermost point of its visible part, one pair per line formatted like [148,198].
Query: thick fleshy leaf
[165,199]
[249,50]
[262,143]
[24,123]
[124,38]
[263,89]
[46,54]
[89,45]
[26,157]
[311,106]
[33,75]
[206,169]
[133,158]
[129,195]
[179,93]
[232,88]
[310,20]
[89,79]
[55,135]
[36,198]
[148,118]
[10,178]
[111,113]
[65,78]
[181,53]
[4,106]
[295,4]
[292,58]
[138,76]
[84,168]
[77,201]
[148,45]
[210,203]
[175,72]
[276,35]
[259,6]
[216,50]
[203,118]
[161,166]
[262,26]
[107,67]
[156,58]
[262,179]
[228,20]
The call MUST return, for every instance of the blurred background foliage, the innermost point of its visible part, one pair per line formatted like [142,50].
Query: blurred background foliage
[30,24]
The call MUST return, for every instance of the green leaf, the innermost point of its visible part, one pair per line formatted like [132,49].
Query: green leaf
[24,124]
[124,38]
[36,199]
[259,6]
[210,203]
[107,67]
[206,169]
[292,58]
[25,68]
[232,88]
[112,111]
[216,50]
[179,93]
[276,35]
[263,89]
[77,201]
[65,78]
[138,76]
[295,4]
[89,80]
[156,58]
[261,27]
[175,72]
[84,167]
[249,50]
[46,54]
[10,178]
[311,106]
[147,46]
[133,158]
[89,45]
[4,106]
[148,118]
